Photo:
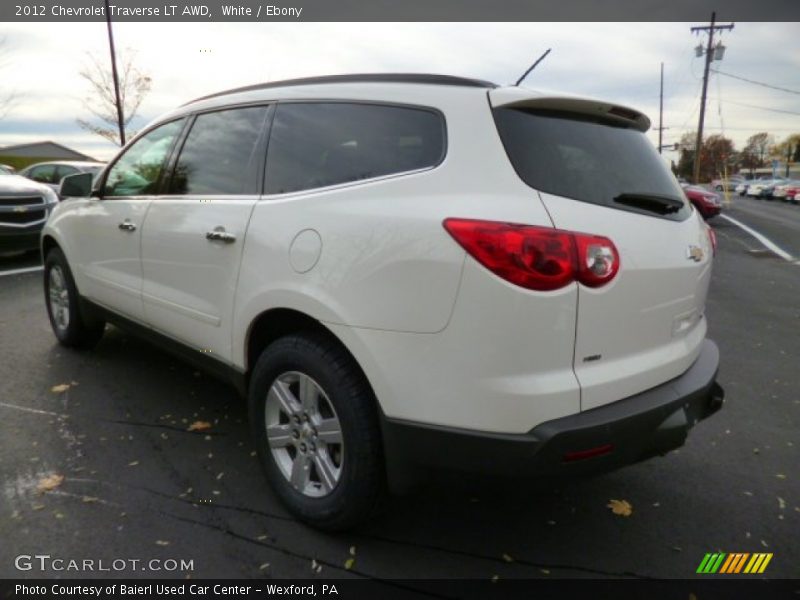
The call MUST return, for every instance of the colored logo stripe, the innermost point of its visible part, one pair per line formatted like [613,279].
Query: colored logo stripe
[720,562]
[711,563]
[734,563]
[758,563]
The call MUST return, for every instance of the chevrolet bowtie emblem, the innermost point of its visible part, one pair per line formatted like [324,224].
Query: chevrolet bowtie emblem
[694,253]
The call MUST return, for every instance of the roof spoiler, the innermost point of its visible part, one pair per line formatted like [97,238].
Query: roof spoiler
[523,98]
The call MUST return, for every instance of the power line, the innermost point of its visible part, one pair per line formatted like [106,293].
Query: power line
[766,85]
[777,110]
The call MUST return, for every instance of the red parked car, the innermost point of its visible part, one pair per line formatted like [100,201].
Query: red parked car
[707,203]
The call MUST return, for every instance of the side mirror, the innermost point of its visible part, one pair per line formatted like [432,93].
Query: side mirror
[76,186]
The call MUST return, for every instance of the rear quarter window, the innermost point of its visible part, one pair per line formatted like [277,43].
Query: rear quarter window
[319,144]
[590,160]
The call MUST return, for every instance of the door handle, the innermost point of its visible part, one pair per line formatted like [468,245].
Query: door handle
[219,234]
[127,226]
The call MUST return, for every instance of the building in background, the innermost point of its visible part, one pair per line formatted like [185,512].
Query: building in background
[22,155]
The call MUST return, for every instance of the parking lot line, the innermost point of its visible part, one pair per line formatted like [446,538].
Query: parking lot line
[20,271]
[762,238]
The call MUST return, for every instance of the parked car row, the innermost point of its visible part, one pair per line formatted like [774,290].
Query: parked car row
[729,184]
[768,189]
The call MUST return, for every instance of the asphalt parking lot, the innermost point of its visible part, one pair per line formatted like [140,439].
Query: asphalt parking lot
[138,484]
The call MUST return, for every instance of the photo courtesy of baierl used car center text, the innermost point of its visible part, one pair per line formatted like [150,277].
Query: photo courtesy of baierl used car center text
[362,299]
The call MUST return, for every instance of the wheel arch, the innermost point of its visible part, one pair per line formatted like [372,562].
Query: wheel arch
[276,323]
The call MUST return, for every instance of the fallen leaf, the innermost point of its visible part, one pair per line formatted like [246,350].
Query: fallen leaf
[763,543]
[746,493]
[677,549]
[207,438]
[199,426]
[50,482]
[133,463]
[781,503]
[656,504]
[61,387]
[38,506]
[313,565]
[352,550]
[264,566]
[348,564]
[89,499]
[59,515]
[220,476]
[756,451]
[780,475]
[508,558]
[261,538]
[545,571]
[319,568]
[620,507]
[162,543]
[164,436]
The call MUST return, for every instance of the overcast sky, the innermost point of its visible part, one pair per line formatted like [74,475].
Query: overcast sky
[613,61]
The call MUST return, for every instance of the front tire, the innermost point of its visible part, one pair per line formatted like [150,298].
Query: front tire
[71,327]
[315,424]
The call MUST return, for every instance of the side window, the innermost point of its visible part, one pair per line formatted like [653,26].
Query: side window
[62,171]
[44,174]
[318,144]
[137,172]
[217,156]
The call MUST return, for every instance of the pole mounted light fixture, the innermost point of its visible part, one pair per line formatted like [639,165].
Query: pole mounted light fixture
[711,53]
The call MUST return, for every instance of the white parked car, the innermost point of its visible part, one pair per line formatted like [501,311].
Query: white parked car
[52,172]
[24,208]
[404,272]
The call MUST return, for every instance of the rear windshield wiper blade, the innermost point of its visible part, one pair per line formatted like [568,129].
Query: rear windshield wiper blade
[662,205]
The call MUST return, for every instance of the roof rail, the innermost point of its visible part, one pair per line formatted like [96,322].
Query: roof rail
[360,78]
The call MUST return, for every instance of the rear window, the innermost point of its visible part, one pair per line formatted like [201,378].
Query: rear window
[590,160]
[319,144]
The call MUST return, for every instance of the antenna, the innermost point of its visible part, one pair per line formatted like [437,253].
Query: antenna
[532,67]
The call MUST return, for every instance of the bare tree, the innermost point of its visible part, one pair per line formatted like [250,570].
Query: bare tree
[7,98]
[134,85]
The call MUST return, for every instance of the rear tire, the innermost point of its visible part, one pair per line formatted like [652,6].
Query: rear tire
[71,326]
[315,424]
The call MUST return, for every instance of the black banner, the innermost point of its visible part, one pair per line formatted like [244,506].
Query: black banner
[732,588]
[393,10]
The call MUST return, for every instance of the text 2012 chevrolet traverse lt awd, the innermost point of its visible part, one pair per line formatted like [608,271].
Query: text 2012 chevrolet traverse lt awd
[404,271]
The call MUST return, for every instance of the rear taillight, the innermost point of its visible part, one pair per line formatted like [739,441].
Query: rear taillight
[537,258]
[712,237]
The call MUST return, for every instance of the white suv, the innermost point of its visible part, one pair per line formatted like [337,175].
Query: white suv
[404,272]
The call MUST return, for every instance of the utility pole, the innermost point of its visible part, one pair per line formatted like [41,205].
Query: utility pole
[709,57]
[661,109]
[120,116]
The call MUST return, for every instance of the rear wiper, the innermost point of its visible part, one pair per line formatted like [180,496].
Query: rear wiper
[662,205]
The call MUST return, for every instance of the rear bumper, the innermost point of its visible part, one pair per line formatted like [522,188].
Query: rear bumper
[624,432]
